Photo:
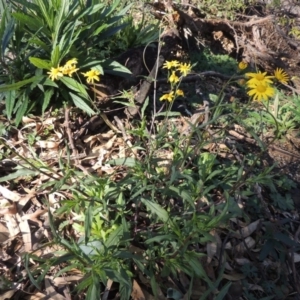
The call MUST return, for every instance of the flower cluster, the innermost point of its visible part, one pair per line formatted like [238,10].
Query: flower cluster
[69,68]
[176,72]
[260,84]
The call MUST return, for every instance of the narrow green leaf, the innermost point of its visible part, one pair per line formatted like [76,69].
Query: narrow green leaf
[10,98]
[33,23]
[26,264]
[18,85]
[154,285]
[160,238]
[88,220]
[155,208]
[18,174]
[224,291]
[145,105]
[55,56]
[40,63]
[47,97]
[114,237]
[74,85]
[8,33]
[21,110]
[79,102]
[126,161]
[115,68]
[125,290]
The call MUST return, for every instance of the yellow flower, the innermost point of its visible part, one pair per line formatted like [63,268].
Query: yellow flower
[70,67]
[170,64]
[261,91]
[179,93]
[71,63]
[173,78]
[91,76]
[184,69]
[242,65]
[281,76]
[69,70]
[55,73]
[259,77]
[169,97]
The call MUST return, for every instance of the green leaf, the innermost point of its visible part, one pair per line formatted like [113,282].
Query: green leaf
[21,110]
[47,97]
[10,98]
[33,23]
[160,238]
[74,85]
[94,290]
[145,105]
[40,63]
[285,239]
[90,248]
[88,220]
[19,84]
[115,68]
[126,161]
[55,56]
[114,237]
[184,194]
[18,174]
[154,285]
[125,290]
[79,102]
[7,35]
[155,208]
[224,291]
[28,270]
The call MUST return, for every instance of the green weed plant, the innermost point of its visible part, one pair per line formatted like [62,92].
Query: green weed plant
[39,35]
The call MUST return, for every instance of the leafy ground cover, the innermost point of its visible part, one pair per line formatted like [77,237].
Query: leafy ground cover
[149,151]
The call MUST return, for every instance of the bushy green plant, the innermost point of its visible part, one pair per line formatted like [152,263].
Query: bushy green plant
[40,35]
[137,34]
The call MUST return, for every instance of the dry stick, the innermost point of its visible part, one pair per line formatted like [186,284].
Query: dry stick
[145,87]
[69,133]
[71,141]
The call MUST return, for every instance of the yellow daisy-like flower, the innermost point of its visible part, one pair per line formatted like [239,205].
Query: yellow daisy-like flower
[259,77]
[242,65]
[69,70]
[173,78]
[71,63]
[55,73]
[261,91]
[281,76]
[70,67]
[179,93]
[91,76]
[184,69]
[170,64]
[169,97]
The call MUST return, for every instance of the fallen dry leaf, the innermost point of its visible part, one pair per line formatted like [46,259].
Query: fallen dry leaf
[137,293]
[4,233]
[9,195]
[248,230]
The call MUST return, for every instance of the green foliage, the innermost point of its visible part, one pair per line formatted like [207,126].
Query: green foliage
[207,61]
[223,9]
[39,35]
[136,34]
